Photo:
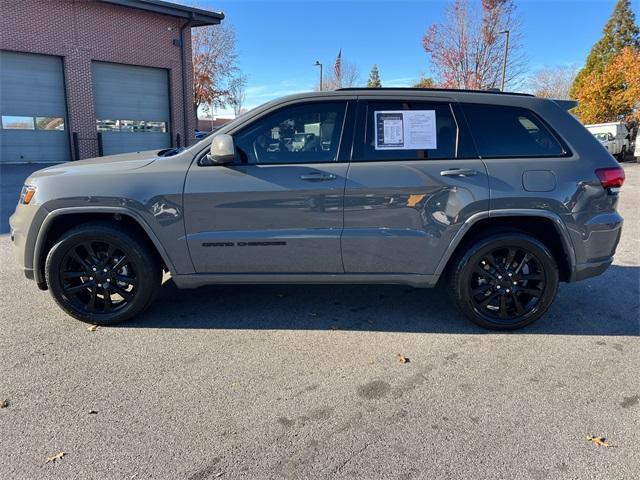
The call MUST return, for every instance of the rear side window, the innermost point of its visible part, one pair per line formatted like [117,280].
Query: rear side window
[502,131]
[389,135]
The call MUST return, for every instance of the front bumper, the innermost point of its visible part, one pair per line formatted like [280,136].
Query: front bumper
[25,224]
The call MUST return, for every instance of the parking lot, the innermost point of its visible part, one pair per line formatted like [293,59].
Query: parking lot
[305,382]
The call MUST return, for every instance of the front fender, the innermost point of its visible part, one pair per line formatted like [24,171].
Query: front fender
[41,239]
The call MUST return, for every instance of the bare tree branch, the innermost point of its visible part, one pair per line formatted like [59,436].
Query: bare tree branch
[552,82]
[467,49]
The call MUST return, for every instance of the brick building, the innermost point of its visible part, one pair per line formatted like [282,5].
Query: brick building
[81,78]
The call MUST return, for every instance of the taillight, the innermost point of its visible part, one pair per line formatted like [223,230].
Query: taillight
[611,178]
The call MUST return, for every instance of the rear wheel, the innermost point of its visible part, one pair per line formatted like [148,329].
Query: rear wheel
[504,281]
[100,274]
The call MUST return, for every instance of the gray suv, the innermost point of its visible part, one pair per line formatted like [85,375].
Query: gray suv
[500,195]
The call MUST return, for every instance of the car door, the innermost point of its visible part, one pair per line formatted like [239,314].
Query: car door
[278,208]
[414,179]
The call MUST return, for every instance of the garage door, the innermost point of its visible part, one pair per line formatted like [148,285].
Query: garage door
[132,107]
[32,109]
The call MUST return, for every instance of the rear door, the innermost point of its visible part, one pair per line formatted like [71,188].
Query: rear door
[278,208]
[413,181]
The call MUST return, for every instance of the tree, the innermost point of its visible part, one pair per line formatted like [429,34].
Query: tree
[374,78]
[467,49]
[214,64]
[613,94]
[237,93]
[425,82]
[349,76]
[343,74]
[552,82]
[604,93]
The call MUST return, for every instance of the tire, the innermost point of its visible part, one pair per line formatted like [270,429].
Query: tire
[481,283]
[100,273]
[621,156]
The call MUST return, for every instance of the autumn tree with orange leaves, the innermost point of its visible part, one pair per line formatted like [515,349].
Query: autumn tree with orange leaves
[215,70]
[614,93]
[608,87]
[467,49]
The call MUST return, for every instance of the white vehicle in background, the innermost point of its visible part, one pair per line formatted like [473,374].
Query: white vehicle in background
[614,136]
[608,141]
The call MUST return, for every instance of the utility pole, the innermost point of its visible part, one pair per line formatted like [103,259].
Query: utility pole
[318,64]
[504,60]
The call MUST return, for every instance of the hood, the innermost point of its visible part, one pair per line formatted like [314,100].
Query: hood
[98,165]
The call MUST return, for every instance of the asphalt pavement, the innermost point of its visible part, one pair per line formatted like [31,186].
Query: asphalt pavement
[298,382]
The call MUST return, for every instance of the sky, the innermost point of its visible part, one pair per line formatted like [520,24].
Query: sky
[279,41]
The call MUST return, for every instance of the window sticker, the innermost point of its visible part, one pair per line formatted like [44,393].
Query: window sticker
[405,130]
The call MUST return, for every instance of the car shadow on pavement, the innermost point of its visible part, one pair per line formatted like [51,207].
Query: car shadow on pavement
[606,305]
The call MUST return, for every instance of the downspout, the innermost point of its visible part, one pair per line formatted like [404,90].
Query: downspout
[186,102]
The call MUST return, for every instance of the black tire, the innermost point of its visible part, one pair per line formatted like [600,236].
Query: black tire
[100,273]
[481,283]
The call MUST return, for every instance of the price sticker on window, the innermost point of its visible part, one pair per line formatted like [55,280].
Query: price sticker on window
[405,130]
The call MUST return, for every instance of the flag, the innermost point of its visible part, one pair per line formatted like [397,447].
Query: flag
[337,68]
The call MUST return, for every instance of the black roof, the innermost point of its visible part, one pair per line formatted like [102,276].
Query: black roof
[418,89]
[197,16]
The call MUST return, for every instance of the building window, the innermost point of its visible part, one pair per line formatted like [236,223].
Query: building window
[12,122]
[50,123]
[131,126]
[156,127]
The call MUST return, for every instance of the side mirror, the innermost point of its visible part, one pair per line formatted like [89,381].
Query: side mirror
[222,149]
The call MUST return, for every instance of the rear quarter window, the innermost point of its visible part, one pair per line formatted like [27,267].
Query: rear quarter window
[503,131]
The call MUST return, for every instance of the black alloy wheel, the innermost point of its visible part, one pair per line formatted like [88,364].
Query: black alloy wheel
[101,273]
[505,281]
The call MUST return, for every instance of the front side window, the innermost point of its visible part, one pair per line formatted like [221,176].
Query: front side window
[14,122]
[502,131]
[307,133]
[408,131]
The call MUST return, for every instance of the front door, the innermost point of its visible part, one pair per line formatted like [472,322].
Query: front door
[278,208]
[413,181]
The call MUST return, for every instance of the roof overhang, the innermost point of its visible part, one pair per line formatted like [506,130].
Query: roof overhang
[196,16]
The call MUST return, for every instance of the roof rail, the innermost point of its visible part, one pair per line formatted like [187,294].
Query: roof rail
[418,89]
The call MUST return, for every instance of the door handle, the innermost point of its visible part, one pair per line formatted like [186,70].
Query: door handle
[459,172]
[318,177]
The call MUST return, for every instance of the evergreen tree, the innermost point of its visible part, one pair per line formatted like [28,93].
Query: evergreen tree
[620,36]
[374,78]
[620,31]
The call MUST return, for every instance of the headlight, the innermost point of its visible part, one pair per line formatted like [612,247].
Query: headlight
[27,193]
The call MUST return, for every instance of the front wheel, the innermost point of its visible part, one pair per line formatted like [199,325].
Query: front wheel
[101,274]
[505,281]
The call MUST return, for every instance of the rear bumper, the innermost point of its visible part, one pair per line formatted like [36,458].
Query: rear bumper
[595,241]
[587,270]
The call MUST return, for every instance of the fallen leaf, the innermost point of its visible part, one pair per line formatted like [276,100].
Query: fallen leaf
[598,441]
[57,456]
[92,328]
[93,412]
[4,403]
[402,358]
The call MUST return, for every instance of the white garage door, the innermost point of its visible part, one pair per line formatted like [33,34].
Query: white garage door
[132,107]
[33,126]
